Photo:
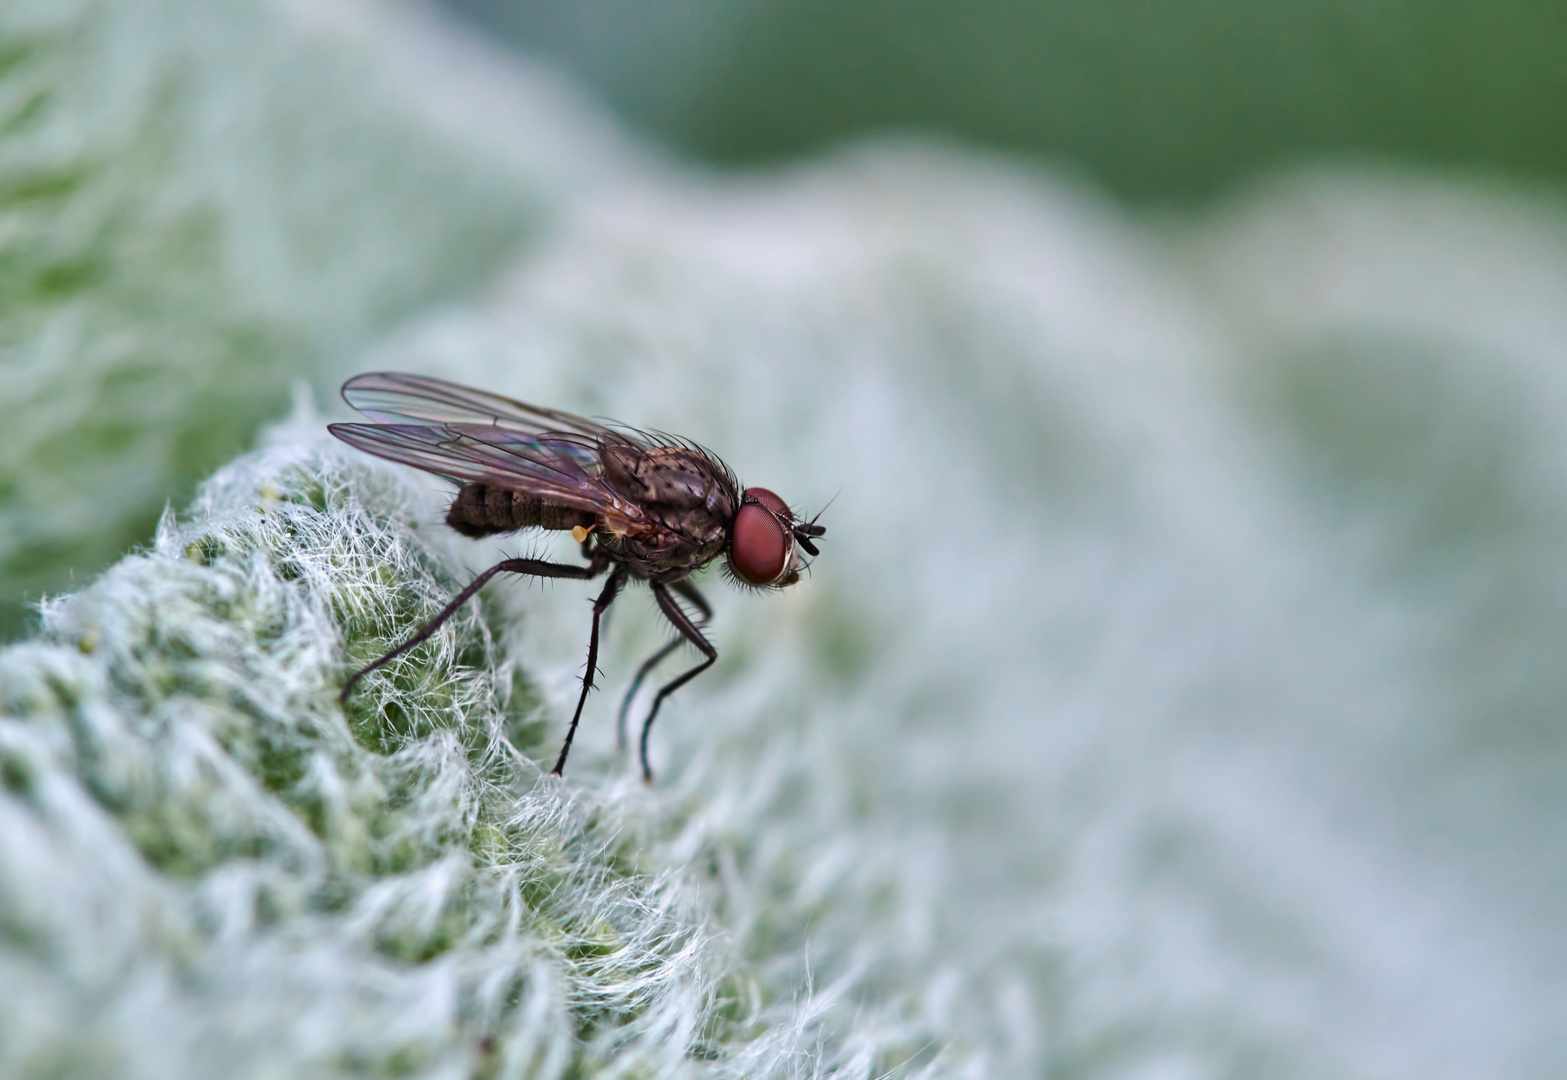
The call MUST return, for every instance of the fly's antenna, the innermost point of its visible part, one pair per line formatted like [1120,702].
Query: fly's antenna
[807,531]
[812,523]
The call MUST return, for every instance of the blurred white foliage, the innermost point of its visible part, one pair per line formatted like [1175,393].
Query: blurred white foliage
[1172,698]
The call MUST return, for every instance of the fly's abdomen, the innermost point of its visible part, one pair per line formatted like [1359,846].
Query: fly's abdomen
[479,510]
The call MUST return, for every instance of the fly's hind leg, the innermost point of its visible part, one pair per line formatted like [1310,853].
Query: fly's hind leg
[698,601]
[534,567]
[689,631]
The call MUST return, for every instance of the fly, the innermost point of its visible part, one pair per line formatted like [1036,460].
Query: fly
[643,507]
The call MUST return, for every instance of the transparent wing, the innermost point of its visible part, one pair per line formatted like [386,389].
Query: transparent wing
[393,397]
[473,437]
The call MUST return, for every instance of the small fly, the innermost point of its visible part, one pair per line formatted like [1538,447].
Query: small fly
[644,507]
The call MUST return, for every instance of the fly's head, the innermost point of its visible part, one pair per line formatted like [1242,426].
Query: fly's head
[765,541]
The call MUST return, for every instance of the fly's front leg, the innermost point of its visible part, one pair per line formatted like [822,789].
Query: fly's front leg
[689,591]
[688,630]
[607,597]
[533,567]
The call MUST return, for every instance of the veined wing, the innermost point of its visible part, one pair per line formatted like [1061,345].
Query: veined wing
[562,467]
[394,397]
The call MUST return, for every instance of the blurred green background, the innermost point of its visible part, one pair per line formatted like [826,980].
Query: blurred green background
[184,232]
[1168,102]
[184,228]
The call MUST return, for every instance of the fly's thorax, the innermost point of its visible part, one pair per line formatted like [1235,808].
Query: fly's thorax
[686,500]
[671,479]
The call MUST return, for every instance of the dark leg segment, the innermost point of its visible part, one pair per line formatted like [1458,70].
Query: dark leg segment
[688,630]
[535,567]
[698,601]
[607,597]
[636,684]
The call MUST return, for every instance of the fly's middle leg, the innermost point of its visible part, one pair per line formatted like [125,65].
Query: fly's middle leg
[607,597]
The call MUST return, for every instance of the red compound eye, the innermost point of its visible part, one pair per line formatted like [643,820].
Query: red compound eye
[769,500]
[758,546]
